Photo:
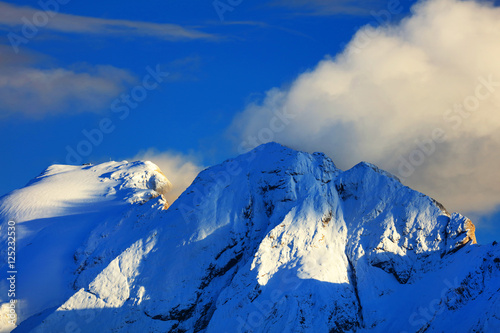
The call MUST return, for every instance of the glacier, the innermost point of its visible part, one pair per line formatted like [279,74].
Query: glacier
[274,240]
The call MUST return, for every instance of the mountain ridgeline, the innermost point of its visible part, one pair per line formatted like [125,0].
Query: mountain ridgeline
[275,240]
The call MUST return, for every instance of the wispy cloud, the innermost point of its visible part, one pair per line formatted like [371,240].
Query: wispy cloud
[35,92]
[11,16]
[258,24]
[184,69]
[329,7]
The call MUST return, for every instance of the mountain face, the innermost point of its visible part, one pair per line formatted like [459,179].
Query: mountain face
[275,240]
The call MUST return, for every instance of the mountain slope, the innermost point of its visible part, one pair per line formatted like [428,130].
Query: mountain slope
[281,241]
[54,215]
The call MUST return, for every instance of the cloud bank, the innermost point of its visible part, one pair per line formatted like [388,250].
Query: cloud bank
[180,169]
[34,92]
[420,99]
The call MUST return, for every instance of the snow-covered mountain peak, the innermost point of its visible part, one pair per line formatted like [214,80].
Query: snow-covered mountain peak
[273,158]
[274,240]
[59,187]
[366,168]
[55,215]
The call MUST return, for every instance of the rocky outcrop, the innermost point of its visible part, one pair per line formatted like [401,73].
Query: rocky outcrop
[460,231]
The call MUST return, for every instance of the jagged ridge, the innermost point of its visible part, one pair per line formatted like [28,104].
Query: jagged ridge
[279,240]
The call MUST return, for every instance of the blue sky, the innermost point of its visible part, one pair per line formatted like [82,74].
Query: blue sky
[223,60]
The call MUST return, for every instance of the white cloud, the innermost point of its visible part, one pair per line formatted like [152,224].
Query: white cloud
[26,89]
[180,169]
[396,84]
[12,16]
